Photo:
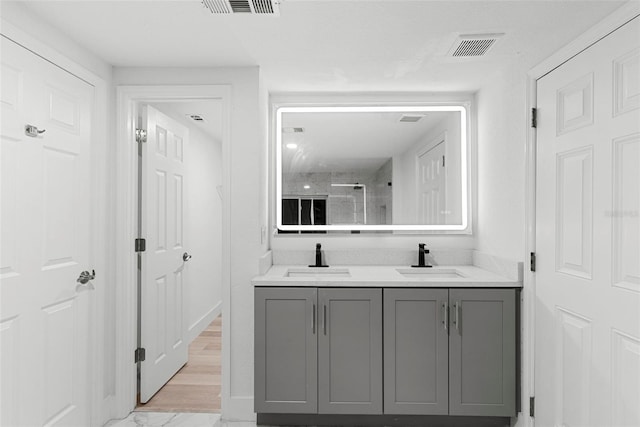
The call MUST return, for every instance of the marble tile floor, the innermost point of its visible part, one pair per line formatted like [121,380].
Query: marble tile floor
[175,419]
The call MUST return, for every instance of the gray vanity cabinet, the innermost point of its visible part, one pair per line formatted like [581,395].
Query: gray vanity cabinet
[350,351]
[286,349]
[446,351]
[416,352]
[482,352]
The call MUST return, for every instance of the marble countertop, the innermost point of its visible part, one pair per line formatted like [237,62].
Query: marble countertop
[450,276]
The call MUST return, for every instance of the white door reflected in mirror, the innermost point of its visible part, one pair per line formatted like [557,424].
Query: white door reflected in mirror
[376,168]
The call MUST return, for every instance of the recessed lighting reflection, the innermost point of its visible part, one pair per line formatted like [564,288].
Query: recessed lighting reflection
[292,146]
[306,186]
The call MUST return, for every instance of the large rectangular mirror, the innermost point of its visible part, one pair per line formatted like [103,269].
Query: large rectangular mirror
[373,167]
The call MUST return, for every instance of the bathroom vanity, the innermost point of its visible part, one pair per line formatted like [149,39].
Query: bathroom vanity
[384,341]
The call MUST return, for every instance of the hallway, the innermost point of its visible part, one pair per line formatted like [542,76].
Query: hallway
[196,387]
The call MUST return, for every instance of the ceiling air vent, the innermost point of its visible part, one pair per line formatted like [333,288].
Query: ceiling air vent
[195,117]
[473,45]
[292,130]
[255,7]
[410,118]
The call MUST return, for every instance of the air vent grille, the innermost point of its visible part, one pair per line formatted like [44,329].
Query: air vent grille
[256,7]
[217,6]
[473,45]
[410,118]
[263,6]
[293,130]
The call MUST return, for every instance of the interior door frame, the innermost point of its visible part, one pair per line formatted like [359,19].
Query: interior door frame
[618,18]
[128,99]
[100,259]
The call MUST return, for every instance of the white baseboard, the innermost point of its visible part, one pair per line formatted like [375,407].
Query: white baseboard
[202,323]
[238,408]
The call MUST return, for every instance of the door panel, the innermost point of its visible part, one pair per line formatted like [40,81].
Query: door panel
[416,352]
[432,194]
[286,347]
[350,351]
[588,236]
[45,318]
[164,273]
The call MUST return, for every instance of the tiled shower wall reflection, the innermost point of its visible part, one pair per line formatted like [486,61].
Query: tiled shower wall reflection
[345,205]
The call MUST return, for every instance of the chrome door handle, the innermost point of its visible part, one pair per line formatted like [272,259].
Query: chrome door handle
[85,276]
[186,257]
[33,131]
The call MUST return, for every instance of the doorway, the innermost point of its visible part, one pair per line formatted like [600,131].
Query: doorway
[180,268]
[196,322]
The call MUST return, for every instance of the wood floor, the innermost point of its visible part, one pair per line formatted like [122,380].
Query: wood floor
[196,387]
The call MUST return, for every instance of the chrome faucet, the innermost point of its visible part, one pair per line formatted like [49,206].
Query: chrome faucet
[318,257]
[421,253]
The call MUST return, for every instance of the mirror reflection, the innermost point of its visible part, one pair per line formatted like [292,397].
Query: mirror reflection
[371,168]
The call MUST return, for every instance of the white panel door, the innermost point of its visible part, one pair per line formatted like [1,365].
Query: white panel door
[587,362]
[163,267]
[432,179]
[45,244]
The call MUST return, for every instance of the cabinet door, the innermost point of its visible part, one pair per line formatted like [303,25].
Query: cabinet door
[416,351]
[350,351]
[482,352]
[286,349]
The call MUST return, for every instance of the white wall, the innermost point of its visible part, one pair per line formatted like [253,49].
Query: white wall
[502,119]
[204,231]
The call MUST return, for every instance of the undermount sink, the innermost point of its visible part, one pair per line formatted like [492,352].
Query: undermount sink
[429,273]
[329,272]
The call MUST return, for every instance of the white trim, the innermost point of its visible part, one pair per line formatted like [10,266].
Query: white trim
[100,408]
[126,223]
[621,16]
[618,18]
[201,324]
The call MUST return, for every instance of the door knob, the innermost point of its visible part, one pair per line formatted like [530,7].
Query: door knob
[186,257]
[85,276]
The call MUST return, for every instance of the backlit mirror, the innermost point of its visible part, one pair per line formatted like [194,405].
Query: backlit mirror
[400,167]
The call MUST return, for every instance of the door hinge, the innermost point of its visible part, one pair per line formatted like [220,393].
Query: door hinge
[532,261]
[139,355]
[534,117]
[141,245]
[532,406]
[442,161]
[141,135]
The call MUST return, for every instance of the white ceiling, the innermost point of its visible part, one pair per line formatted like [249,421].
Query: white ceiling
[210,111]
[321,45]
[343,142]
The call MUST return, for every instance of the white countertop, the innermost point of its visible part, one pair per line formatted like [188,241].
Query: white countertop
[383,276]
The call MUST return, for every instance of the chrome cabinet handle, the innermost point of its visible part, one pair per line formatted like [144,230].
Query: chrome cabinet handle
[85,276]
[445,316]
[456,321]
[324,319]
[186,257]
[313,320]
